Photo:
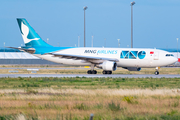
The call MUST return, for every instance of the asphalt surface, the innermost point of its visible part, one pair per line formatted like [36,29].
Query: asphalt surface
[49,68]
[91,75]
[61,68]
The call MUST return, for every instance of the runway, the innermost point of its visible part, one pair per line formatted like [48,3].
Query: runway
[49,68]
[56,68]
[92,75]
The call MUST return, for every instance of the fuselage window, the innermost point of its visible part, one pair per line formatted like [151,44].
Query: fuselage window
[169,55]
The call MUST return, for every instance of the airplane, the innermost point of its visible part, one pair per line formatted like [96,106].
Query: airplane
[107,59]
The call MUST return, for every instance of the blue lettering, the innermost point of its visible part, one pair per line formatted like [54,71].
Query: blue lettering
[115,52]
[107,51]
[99,51]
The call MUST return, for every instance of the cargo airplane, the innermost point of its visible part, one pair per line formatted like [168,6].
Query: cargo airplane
[107,59]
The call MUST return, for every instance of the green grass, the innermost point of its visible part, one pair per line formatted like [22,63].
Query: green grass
[170,116]
[113,107]
[90,83]
[34,103]
[81,106]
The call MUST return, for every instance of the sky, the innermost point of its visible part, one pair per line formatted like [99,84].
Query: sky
[156,23]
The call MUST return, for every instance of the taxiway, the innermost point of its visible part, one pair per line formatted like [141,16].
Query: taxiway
[92,75]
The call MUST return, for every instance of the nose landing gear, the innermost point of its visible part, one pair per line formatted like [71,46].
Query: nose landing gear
[157,72]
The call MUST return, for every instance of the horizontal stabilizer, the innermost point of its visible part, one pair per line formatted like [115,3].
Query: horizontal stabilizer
[30,50]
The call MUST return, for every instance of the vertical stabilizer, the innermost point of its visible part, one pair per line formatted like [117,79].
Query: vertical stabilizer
[30,37]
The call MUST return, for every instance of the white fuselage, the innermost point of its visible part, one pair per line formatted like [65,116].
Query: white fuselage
[128,57]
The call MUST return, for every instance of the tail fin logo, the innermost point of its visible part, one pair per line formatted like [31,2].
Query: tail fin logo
[26,33]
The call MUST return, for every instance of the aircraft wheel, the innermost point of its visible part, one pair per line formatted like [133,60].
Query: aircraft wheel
[109,72]
[104,72]
[156,73]
[94,72]
[89,72]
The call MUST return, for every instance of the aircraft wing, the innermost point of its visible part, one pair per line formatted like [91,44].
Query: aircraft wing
[86,58]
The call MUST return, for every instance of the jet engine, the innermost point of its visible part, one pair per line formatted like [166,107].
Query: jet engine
[132,68]
[108,66]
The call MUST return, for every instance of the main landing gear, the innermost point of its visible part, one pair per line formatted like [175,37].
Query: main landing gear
[157,72]
[95,72]
[92,71]
[107,72]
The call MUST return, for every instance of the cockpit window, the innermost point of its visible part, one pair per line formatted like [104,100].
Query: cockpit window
[169,55]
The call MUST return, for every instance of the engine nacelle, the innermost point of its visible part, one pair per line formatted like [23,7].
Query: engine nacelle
[132,68]
[108,66]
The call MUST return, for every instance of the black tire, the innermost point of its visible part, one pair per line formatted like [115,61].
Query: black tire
[89,72]
[107,72]
[156,73]
[94,72]
[110,72]
[104,72]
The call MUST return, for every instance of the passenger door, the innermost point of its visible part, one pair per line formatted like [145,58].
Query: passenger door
[156,55]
